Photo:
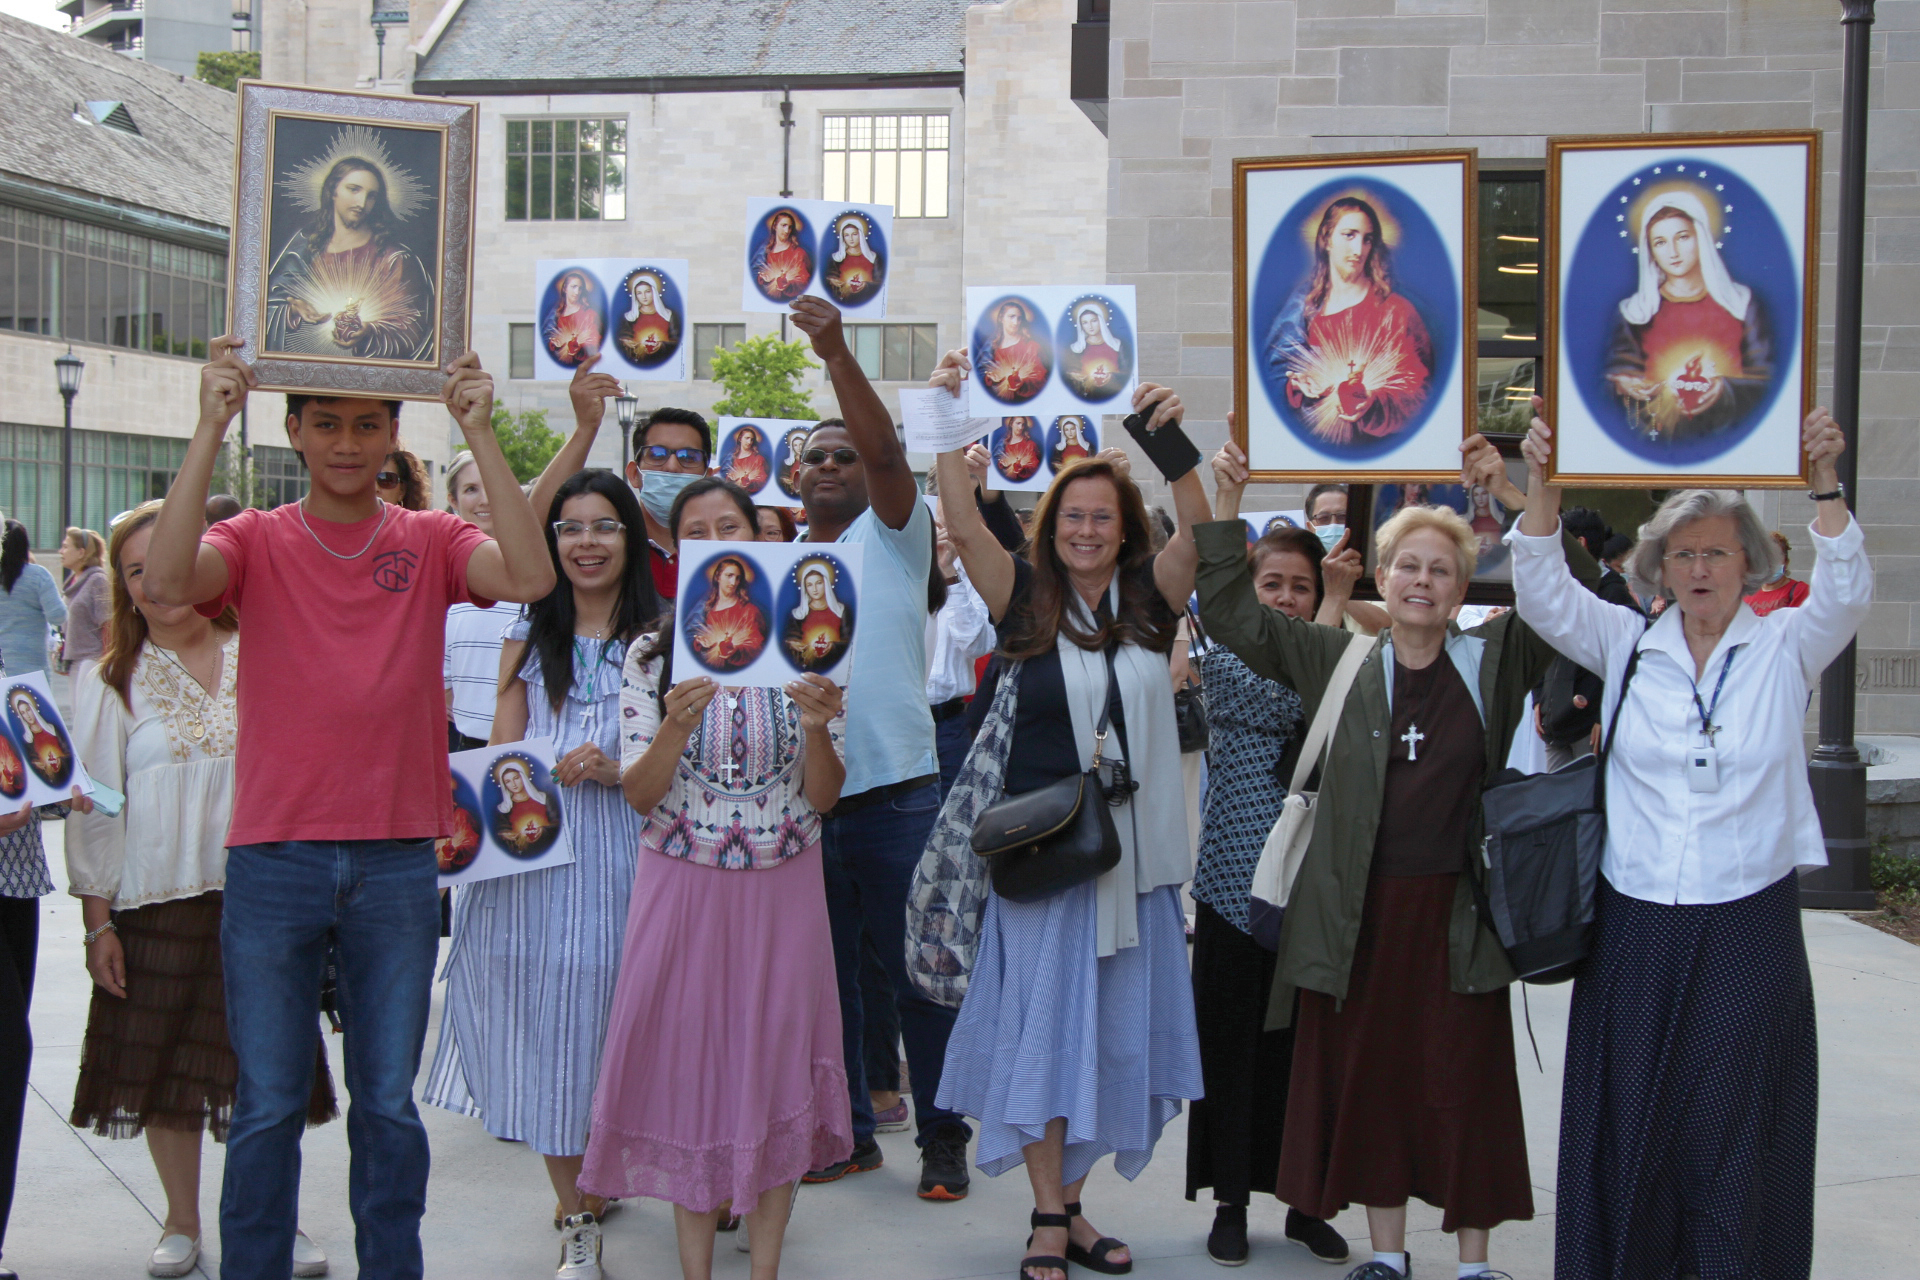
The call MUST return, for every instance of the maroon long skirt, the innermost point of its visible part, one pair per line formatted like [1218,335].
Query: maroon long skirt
[1405,1088]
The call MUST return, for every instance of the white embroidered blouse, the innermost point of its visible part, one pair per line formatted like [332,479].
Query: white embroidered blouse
[171,752]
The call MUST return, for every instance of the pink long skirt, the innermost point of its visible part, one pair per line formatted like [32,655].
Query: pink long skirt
[722,1074]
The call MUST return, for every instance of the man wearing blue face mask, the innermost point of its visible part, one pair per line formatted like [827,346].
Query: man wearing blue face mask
[1327,513]
[671,450]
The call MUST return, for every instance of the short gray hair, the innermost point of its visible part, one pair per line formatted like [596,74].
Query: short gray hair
[1682,509]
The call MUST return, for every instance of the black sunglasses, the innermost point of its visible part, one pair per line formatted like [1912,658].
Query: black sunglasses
[387,479]
[844,456]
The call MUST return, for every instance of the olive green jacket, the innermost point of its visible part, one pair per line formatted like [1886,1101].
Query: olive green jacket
[1501,660]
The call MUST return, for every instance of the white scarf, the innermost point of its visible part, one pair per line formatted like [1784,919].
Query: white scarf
[1153,824]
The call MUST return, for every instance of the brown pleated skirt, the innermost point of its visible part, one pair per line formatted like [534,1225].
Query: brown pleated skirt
[1406,1088]
[160,1057]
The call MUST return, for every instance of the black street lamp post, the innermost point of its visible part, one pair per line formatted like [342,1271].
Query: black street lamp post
[382,19]
[1838,774]
[625,407]
[68,367]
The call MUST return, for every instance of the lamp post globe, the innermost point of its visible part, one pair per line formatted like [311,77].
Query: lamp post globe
[625,407]
[68,368]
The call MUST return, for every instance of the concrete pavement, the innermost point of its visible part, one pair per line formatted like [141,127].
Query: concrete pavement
[89,1208]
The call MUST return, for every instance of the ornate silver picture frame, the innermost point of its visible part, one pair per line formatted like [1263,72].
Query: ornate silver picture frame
[351,264]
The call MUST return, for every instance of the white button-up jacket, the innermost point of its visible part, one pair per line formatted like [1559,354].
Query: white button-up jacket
[1665,841]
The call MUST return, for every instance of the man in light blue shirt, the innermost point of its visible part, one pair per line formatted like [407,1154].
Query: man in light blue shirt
[857,487]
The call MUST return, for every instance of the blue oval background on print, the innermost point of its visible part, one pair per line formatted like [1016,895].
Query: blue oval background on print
[1097,381]
[42,736]
[857,288]
[786,461]
[1605,271]
[595,299]
[1022,464]
[1057,442]
[730,646]
[647,342]
[814,642]
[464,798]
[791,276]
[730,451]
[1423,272]
[537,803]
[1016,374]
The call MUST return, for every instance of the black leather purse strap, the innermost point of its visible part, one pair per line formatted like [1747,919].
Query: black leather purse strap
[1106,712]
[1606,746]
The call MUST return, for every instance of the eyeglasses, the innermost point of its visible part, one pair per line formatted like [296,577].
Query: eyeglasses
[1327,517]
[1713,557]
[574,530]
[844,456]
[387,479]
[659,453]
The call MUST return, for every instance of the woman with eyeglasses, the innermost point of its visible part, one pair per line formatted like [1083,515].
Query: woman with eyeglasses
[402,481]
[532,966]
[1692,1071]
[723,1078]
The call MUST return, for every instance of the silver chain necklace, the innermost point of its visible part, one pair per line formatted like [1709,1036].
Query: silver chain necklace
[385,509]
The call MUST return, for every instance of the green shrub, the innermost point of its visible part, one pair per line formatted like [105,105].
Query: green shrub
[1892,873]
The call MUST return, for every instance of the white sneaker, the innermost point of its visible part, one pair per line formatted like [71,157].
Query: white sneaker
[309,1259]
[579,1249]
[175,1255]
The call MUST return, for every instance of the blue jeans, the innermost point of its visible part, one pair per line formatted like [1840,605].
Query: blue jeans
[952,741]
[870,857]
[379,898]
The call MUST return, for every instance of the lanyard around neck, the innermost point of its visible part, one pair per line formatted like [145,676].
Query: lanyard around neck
[1706,709]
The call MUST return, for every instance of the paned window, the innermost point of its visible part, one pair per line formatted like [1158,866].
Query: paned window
[899,160]
[1508,296]
[73,280]
[895,352]
[519,351]
[112,472]
[709,338]
[566,170]
[281,473]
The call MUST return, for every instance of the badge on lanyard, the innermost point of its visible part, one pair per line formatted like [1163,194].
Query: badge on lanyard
[1703,758]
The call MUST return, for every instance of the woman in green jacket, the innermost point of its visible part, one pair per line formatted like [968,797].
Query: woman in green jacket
[1403,1077]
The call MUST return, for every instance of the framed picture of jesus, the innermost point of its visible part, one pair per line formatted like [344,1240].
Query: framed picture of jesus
[1680,308]
[1353,318]
[352,253]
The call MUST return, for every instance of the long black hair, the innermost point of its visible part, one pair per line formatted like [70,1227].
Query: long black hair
[14,551]
[550,620]
[663,639]
[378,218]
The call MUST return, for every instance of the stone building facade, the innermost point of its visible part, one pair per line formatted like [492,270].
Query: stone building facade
[1193,85]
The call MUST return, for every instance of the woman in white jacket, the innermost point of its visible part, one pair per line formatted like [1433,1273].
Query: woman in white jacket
[1692,1077]
[155,719]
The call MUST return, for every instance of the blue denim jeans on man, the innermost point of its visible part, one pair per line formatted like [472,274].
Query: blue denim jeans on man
[379,899]
[870,857]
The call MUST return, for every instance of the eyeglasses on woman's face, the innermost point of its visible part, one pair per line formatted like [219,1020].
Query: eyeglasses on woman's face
[578,530]
[387,479]
[1712,557]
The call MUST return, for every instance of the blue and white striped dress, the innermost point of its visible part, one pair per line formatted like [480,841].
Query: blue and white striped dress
[531,968]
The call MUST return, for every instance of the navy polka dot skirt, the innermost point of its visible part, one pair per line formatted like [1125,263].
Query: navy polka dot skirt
[1692,1090]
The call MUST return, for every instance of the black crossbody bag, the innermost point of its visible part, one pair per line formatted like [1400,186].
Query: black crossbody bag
[1042,842]
[1544,837]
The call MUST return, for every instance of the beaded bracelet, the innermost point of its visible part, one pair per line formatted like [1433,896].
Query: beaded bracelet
[95,935]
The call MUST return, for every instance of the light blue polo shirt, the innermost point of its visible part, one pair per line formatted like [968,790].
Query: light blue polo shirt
[889,725]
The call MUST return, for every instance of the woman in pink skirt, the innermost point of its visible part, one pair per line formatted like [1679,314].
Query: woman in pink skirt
[722,1079]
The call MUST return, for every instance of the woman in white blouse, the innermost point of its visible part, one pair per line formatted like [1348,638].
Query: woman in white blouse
[1687,1121]
[155,719]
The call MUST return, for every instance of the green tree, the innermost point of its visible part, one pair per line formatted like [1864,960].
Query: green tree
[526,439]
[762,379]
[227,68]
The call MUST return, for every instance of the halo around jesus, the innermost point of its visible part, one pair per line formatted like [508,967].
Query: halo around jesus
[405,193]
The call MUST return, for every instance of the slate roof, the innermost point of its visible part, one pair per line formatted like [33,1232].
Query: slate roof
[659,45]
[182,161]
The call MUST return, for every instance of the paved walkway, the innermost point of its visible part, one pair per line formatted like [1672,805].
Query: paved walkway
[88,1208]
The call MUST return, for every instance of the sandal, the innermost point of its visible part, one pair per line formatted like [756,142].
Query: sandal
[1044,1262]
[1095,1259]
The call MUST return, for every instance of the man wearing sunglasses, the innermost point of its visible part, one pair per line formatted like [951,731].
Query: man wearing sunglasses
[671,449]
[857,487]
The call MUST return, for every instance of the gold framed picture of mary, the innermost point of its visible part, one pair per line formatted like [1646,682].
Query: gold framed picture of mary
[351,264]
[1681,288]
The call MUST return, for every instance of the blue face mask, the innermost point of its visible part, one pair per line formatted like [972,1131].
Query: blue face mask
[658,489]
[1329,534]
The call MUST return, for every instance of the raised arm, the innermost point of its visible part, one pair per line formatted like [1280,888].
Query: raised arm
[514,565]
[180,569]
[891,489]
[1299,654]
[989,565]
[1174,567]
[1841,593]
[588,391]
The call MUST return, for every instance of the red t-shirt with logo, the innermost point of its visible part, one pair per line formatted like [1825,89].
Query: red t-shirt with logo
[343,722]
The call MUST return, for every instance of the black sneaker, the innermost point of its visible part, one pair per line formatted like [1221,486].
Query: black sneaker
[866,1156]
[1317,1237]
[943,1164]
[1380,1271]
[1227,1242]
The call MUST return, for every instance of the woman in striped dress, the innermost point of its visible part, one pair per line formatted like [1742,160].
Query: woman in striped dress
[531,969]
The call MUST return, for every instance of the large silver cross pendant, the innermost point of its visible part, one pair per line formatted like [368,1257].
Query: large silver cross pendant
[1413,738]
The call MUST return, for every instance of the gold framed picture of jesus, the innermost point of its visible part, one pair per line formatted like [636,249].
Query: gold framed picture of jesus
[352,257]
[1680,308]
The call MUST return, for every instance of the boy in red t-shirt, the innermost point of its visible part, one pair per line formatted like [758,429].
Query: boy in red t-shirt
[341,784]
